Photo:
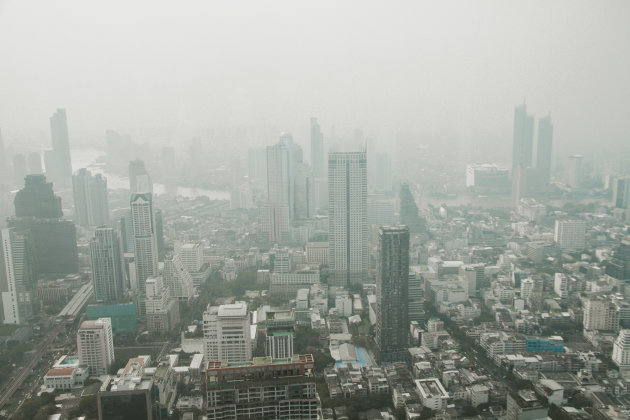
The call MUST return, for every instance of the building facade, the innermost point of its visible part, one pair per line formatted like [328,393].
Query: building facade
[106,260]
[91,206]
[95,342]
[227,333]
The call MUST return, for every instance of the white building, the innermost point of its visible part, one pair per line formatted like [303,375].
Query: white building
[527,288]
[191,255]
[347,218]
[95,342]
[162,312]
[66,374]
[478,394]
[600,314]
[561,285]
[621,350]
[317,253]
[177,278]
[570,235]
[227,333]
[432,394]
[145,240]
[274,222]
[17,300]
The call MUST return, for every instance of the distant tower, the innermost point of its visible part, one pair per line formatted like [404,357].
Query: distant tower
[91,206]
[3,160]
[621,351]
[19,168]
[139,179]
[522,146]
[347,218]
[37,199]
[17,279]
[317,150]
[106,259]
[621,193]
[543,152]
[61,171]
[574,171]
[282,163]
[392,288]
[35,163]
[409,211]
[145,242]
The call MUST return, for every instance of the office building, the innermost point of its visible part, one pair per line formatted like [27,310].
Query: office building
[574,171]
[106,259]
[409,215]
[600,314]
[383,175]
[621,350]
[570,235]
[162,311]
[145,241]
[317,253]
[282,162]
[91,206]
[58,163]
[621,192]
[543,151]
[274,223]
[191,255]
[318,161]
[139,179]
[279,343]
[177,278]
[123,316]
[95,342]
[37,199]
[347,218]
[264,388]
[66,374]
[523,139]
[561,285]
[392,292]
[17,280]
[415,296]
[487,177]
[227,333]
[130,395]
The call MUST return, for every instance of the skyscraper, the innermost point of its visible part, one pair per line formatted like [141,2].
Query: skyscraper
[177,278]
[4,164]
[17,280]
[61,166]
[282,163]
[522,146]
[107,267]
[226,333]
[347,217]
[621,192]
[543,151]
[317,150]
[37,199]
[392,288]
[573,176]
[145,242]
[274,223]
[570,235]
[95,343]
[139,179]
[409,211]
[91,206]
[621,351]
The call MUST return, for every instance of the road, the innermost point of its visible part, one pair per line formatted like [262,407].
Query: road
[17,381]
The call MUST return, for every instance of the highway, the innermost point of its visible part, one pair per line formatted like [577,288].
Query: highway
[17,381]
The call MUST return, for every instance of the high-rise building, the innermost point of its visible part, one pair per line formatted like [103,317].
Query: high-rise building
[383,172]
[283,160]
[17,280]
[347,218]
[35,163]
[19,168]
[523,140]
[317,150]
[392,293]
[177,278]
[95,342]
[227,333]
[409,211]
[257,163]
[415,296]
[621,350]
[58,163]
[574,171]
[600,314]
[145,242]
[543,151]
[139,179]
[570,235]
[264,388]
[191,255]
[162,312]
[37,199]
[621,192]
[91,206]
[106,259]
[159,233]
[274,222]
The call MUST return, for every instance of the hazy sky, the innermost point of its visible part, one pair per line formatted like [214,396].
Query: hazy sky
[387,66]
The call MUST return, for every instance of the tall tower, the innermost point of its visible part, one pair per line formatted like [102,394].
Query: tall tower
[543,151]
[392,285]
[139,179]
[145,242]
[522,146]
[107,267]
[61,173]
[317,149]
[282,163]
[91,206]
[17,280]
[347,217]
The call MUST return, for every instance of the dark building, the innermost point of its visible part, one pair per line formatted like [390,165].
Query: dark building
[392,287]
[37,199]
[106,259]
[91,206]
[409,211]
[543,151]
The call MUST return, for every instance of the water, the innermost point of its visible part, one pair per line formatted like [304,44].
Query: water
[93,160]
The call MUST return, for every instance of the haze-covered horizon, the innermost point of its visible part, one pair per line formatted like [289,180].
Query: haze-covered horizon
[166,71]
